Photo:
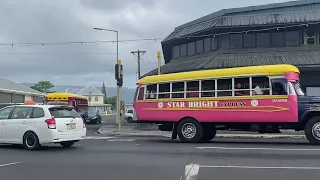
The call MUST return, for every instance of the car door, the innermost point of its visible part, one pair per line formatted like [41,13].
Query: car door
[17,125]
[4,117]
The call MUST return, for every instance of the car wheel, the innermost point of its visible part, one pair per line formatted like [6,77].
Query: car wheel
[190,130]
[67,144]
[31,141]
[312,130]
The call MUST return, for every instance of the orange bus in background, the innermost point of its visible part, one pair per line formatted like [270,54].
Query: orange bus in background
[80,103]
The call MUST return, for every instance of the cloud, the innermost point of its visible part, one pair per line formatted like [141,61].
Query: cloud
[73,20]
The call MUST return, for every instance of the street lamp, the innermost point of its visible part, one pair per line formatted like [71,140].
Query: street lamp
[118,87]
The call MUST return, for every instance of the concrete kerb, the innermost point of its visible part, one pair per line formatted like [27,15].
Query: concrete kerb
[229,136]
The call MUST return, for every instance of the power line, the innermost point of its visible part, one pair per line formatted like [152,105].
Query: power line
[75,42]
[62,54]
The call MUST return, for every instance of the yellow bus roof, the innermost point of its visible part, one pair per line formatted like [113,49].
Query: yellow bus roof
[216,73]
[64,96]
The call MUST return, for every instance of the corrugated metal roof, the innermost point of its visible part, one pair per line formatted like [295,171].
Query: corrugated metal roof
[263,19]
[289,12]
[6,84]
[299,56]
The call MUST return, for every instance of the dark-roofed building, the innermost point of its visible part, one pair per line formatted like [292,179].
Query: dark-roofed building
[281,33]
[12,92]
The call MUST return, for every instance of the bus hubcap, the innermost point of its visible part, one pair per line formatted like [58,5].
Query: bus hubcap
[316,130]
[189,130]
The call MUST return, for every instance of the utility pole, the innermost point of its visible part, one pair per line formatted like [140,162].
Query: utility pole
[139,53]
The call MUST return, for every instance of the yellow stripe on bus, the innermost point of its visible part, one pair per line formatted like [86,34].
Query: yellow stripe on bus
[63,96]
[266,70]
[227,109]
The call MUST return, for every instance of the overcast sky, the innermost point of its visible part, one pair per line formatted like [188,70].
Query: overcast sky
[42,21]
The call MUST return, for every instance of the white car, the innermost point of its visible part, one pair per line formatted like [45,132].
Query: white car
[129,115]
[35,125]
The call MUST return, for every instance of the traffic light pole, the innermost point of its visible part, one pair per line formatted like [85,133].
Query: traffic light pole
[119,99]
[118,87]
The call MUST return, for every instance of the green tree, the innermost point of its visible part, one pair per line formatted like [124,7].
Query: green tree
[43,86]
[111,100]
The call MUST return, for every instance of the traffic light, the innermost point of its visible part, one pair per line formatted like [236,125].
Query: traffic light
[119,74]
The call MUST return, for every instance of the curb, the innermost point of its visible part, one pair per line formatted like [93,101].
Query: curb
[259,136]
[225,136]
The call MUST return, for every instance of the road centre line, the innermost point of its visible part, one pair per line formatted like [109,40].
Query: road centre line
[9,164]
[261,167]
[190,172]
[271,149]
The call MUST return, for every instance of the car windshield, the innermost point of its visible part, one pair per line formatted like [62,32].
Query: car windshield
[298,89]
[92,113]
[130,111]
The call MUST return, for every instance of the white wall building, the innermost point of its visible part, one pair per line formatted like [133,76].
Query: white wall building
[12,93]
[95,99]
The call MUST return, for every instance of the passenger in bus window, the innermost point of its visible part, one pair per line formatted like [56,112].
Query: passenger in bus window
[240,93]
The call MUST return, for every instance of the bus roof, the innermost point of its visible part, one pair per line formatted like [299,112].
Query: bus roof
[64,96]
[216,73]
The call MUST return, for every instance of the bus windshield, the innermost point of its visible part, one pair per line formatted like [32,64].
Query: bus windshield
[298,88]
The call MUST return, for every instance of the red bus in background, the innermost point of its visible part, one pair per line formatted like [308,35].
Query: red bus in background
[80,103]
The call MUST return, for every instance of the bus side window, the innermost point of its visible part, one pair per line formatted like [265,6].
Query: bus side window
[178,90]
[242,87]
[192,89]
[151,91]
[208,88]
[164,91]
[141,93]
[279,86]
[260,86]
[224,87]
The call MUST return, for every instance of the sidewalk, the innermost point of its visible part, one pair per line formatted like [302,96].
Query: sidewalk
[112,130]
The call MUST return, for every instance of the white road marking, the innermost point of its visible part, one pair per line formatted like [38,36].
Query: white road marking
[190,172]
[271,149]
[97,137]
[9,164]
[257,167]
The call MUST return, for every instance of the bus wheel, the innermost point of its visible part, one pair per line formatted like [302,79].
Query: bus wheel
[210,132]
[312,130]
[190,130]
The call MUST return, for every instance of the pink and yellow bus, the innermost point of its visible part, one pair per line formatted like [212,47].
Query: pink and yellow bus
[193,105]
[80,103]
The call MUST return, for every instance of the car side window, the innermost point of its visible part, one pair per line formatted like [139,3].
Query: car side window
[5,113]
[20,113]
[38,113]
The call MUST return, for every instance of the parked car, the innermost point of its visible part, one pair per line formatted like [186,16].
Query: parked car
[92,116]
[36,125]
[129,115]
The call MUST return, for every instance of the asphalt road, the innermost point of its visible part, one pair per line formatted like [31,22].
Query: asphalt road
[106,120]
[160,158]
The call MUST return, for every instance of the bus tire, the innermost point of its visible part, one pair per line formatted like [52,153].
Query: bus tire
[190,130]
[312,130]
[210,132]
